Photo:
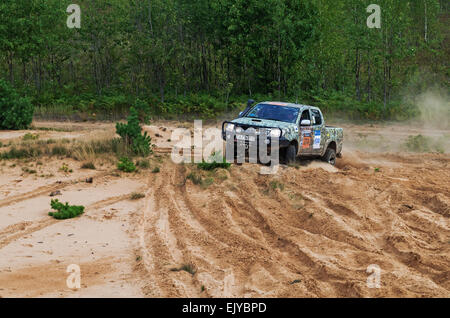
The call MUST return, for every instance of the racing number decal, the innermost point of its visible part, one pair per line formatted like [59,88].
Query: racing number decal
[316,139]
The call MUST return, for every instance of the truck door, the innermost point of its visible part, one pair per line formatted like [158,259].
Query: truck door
[306,134]
[318,131]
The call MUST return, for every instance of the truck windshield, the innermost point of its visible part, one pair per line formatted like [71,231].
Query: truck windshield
[274,112]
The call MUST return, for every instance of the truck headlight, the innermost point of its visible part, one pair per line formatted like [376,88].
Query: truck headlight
[275,133]
[230,127]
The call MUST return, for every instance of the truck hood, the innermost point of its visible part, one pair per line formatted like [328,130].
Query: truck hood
[289,129]
[263,123]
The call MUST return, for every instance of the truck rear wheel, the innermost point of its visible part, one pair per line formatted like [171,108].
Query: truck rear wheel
[291,154]
[330,156]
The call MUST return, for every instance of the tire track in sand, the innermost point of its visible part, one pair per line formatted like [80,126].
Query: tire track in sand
[160,249]
[42,190]
[18,230]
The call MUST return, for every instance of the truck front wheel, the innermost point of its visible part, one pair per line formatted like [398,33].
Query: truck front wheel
[291,154]
[330,156]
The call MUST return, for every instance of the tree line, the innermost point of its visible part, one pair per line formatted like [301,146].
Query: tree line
[203,56]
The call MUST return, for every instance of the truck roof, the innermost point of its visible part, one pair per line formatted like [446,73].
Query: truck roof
[287,104]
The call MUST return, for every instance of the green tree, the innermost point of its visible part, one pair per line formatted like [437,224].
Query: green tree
[15,112]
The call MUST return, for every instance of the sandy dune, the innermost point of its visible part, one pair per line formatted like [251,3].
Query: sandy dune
[308,231]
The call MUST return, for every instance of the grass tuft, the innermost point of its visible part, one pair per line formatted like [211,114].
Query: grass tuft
[137,196]
[190,268]
[156,170]
[30,136]
[195,178]
[88,165]
[143,164]
[212,164]
[276,185]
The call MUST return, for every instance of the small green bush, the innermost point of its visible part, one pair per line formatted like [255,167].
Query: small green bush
[156,170]
[65,211]
[65,168]
[126,165]
[143,164]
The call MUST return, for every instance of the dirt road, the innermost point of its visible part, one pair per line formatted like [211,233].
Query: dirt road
[310,230]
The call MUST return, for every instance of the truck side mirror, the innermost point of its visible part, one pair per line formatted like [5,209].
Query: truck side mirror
[305,122]
[250,102]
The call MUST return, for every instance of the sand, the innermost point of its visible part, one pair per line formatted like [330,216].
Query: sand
[313,236]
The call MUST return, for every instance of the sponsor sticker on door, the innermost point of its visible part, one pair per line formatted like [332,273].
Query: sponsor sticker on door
[316,139]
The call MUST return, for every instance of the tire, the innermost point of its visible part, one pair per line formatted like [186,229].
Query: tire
[330,156]
[291,154]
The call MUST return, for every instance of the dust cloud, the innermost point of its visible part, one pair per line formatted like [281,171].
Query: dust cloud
[434,107]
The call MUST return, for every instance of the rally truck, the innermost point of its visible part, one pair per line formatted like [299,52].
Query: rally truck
[301,130]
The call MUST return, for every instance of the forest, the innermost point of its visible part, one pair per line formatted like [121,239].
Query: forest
[205,58]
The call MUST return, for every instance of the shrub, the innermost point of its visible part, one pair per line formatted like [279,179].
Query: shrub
[143,164]
[59,151]
[156,170]
[190,268]
[418,143]
[131,133]
[65,211]
[276,185]
[214,165]
[137,196]
[15,112]
[28,170]
[88,165]
[207,182]
[21,153]
[126,165]
[196,179]
[65,168]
